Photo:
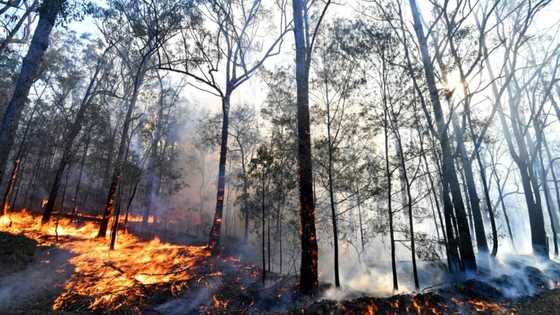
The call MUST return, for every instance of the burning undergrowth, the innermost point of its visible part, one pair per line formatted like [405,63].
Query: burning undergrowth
[144,276]
[122,279]
[154,277]
[498,289]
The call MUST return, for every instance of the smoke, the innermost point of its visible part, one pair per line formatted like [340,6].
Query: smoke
[191,301]
[39,281]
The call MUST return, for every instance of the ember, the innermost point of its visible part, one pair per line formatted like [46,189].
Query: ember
[111,280]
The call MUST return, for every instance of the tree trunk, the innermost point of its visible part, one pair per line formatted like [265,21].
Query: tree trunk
[115,178]
[30,68]
[132,195]
[214,239]
[449,173]
[308,281]
[388,174]
[71,135]
[552,172]
[332,197]
[503,205]
[471,189]
[263,220]
[488,201]
[404,180]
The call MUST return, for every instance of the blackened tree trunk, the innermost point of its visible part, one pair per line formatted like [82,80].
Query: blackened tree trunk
[6,207]
[406,182]
[331,193]
[552,172]
[30,68]
[448,167]
[551,207]
[214,239]
[263,228]
[130,200]
[115,178]
[480,233]
[308,281]
[388,175]
[487,199]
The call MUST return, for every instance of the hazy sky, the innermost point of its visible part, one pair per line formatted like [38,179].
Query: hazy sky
[254,91]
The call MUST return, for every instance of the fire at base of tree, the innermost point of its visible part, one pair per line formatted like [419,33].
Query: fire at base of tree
[64,268]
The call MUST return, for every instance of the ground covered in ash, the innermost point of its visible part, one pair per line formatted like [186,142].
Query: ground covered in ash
[46,273]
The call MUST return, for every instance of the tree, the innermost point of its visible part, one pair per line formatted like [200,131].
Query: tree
[305,40]
[233,46]
[449,175]
[48,13]
[150,27]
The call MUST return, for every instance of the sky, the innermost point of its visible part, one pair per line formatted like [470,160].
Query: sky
[254,91]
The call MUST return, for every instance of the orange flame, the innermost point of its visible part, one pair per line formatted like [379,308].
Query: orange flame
[110,278]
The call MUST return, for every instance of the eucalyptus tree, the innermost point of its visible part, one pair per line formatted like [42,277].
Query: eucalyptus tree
[305,33]
[516,131]
[338,85]
[74,128]
[30,68]
[449,173]
[143,28]
[218,56]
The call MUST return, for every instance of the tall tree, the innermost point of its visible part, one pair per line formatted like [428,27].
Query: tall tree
[48,13]
[449,175]
[234,46]
[305,40]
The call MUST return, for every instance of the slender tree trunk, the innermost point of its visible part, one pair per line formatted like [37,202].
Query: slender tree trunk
[6,208]
[245,196]
[551,207]
[449,173]
[214,239]
[552,172]
[116,177]
[502,203]
[67,152]
[30,68]
[268,249]
[19,183]
[359,202]
[471,189]
[488,201]
[331,196]
[406,182]
[263,220]
[308,281]
[132,195]
[388,174]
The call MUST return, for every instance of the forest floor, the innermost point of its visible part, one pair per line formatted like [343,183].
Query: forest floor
[71,272]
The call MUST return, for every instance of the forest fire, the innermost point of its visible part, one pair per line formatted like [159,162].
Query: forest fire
[109,280]
[128,278]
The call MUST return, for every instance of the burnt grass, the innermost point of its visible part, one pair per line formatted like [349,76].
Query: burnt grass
[229,285]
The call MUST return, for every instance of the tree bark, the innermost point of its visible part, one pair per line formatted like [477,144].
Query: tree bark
[30,69]
[308,281]
[214,239]
[449,173]
[471,189]
[115,178]
[388,174]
